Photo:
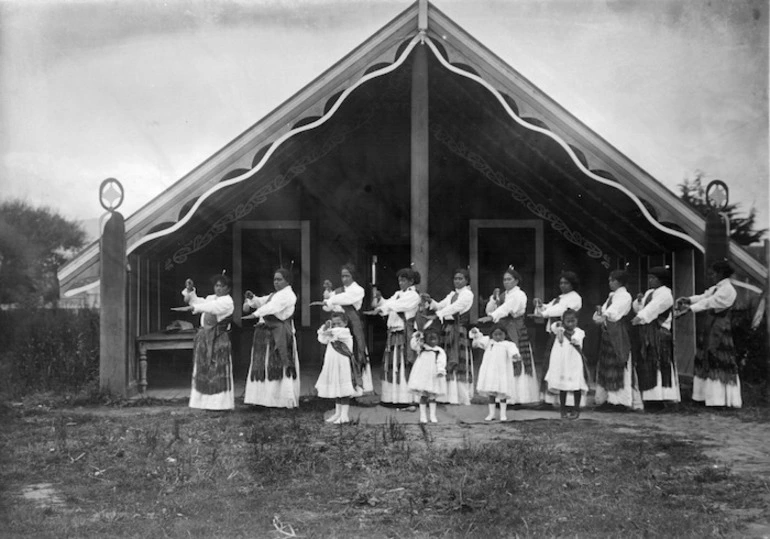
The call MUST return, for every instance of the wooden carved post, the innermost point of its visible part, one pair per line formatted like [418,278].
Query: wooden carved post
[113,353]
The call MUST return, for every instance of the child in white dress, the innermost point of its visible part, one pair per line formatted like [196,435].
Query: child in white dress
[428,377]
[566,370]
[336,378]
[496,378]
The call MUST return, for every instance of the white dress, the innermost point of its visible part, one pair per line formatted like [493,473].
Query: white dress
[221,307]
[565,369]
[282,393]
[656,302]
[455,307]
[336,379]
[352,297]
[428,376]
[496,371]
[715,392]
[510,314]
[552,312]
[394,381]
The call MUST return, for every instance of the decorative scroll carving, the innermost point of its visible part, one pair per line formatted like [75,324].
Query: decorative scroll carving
[337,137]
[460,149]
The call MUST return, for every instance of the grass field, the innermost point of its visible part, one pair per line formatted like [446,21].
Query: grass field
[169,471]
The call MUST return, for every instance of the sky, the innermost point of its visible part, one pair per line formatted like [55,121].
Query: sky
[144,91]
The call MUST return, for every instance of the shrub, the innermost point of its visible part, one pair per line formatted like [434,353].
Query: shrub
[48,350]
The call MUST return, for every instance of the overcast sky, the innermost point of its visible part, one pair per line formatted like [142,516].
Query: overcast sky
[144,91]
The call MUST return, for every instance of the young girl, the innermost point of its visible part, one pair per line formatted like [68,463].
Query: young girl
[566,371]
[496,372]
[336,378]
[428,377]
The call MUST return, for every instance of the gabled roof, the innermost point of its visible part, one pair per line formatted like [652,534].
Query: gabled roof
[459,52]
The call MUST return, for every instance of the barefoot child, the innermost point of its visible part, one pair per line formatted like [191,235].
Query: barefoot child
[496,372]
[336,378]
[566,370]
[428,378]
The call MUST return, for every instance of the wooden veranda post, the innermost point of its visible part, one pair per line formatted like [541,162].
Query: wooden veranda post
[419,158]
[113,330]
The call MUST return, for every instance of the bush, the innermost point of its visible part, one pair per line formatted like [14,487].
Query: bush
[48,350]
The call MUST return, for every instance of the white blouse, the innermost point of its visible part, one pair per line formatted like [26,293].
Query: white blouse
[514,305]
[221,306]
[620,305]
[350,295]
[662,299]
[719,297]
[554,308]
[280,304]
[404,301]
[446,309]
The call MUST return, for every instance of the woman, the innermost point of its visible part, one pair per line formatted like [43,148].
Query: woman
[400,309]
[615,377]
[349,299]
[454,313]
[507,309]
[552,312]
[655,366]
[273,378]
[212,379]
[716,381]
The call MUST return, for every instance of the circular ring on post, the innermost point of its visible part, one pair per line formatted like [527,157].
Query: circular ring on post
[717,195]
[111,194]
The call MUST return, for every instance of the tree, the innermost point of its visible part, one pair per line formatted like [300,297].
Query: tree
[34,243]
[742,229]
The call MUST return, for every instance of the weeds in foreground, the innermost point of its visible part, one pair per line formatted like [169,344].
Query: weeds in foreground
[274,473]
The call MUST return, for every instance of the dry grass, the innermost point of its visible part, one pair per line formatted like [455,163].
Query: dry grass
[166,471]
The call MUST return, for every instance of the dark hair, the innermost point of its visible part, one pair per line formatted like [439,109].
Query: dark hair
[409,274]
[221,278]
[285,273]
[662,273]
[431,330]
[465,273]
[341,315]
[572,278]
[722,268]
[501,328]
[569,312]
[351,269]
[513,273]
[620,276]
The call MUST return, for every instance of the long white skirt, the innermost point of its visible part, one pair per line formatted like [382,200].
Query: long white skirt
[366,379]
[627,396]
[218,401]
[660,393]
[398,392]
[457,391]
[283,393]
[716,393]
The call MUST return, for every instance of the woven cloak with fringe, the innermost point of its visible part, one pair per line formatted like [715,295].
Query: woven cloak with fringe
[211,353]
[656,353]
[715,358]
[614,351]
[359,358]
[277,337]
